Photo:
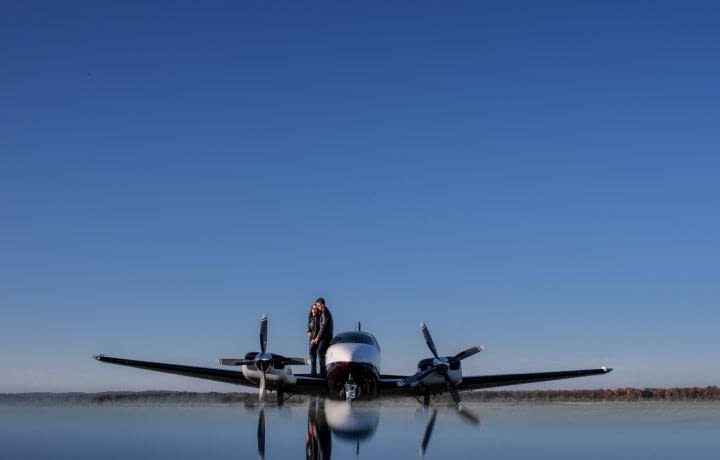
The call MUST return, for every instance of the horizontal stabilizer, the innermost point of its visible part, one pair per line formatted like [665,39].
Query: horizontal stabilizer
[275,360]
[296,361]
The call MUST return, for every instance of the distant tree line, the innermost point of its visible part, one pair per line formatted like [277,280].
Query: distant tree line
[711,393]
[129,397]
[173,397]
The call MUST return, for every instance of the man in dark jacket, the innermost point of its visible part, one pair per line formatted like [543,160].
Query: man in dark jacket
[324,334]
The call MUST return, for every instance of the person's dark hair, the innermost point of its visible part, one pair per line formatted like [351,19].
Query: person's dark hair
[320,300]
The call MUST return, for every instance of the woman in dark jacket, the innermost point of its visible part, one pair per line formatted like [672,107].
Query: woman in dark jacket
[313,327]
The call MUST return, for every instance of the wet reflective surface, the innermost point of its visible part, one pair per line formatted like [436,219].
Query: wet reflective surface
[331,429]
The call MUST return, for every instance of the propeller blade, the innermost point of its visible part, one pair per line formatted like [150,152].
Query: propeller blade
[467,353]
[261,434]
[428,432]
[468,415]
[453,391]
[413,379]
[263,333]
[261,392]
[428,339]
[235,362]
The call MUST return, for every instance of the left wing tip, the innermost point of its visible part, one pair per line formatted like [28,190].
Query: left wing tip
[99,357]
[606,369]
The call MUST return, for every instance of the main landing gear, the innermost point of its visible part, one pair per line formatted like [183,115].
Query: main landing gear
[282,396]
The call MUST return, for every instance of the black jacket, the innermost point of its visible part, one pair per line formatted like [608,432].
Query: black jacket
[313,325]
[325,327]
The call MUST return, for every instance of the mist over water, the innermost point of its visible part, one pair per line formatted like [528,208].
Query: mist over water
[319,430]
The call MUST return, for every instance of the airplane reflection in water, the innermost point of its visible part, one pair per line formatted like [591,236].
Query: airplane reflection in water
[345,421]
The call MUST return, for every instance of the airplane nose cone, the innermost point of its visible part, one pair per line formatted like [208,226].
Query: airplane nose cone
[346,353]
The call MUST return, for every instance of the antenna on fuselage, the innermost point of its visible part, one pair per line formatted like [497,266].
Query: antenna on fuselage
[359,328]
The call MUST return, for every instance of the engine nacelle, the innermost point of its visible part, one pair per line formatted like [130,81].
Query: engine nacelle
[454,372]
[276,375]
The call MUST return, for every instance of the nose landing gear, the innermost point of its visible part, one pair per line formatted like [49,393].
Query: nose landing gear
[350,389]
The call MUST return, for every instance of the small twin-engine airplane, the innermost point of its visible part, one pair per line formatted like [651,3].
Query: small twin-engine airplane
[353,371]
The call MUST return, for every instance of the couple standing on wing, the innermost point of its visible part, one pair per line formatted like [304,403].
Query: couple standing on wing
[320,332]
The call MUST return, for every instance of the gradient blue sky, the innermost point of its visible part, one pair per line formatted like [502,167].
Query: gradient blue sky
[538,177]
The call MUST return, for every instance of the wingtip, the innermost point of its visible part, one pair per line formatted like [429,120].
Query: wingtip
[607,369]
[99,357]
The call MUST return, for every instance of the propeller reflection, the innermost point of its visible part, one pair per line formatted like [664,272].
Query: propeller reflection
[430,425]
[428,432]
[261,434]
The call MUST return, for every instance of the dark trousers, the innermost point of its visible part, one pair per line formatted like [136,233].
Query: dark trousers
[313,358]
[323,345]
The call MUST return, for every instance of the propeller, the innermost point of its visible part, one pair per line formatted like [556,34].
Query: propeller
[440,366]
[264,361]
[261,434]
[261,389]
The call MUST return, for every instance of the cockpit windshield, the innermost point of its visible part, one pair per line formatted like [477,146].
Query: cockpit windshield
[354,337]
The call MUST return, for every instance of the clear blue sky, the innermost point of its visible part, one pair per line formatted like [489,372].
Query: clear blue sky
[537,177]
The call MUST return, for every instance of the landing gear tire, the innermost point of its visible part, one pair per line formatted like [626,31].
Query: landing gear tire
[280,397]
[351,390]
[426,399]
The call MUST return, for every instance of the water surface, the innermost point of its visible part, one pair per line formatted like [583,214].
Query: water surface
[318,430]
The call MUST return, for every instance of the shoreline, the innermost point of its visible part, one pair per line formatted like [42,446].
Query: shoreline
[629,395]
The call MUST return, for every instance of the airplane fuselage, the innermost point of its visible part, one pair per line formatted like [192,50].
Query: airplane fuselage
[353,358]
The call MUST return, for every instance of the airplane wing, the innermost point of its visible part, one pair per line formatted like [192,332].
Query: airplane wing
[304,384]
[389,383]
[490,381]
[207,373]
[388,386]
